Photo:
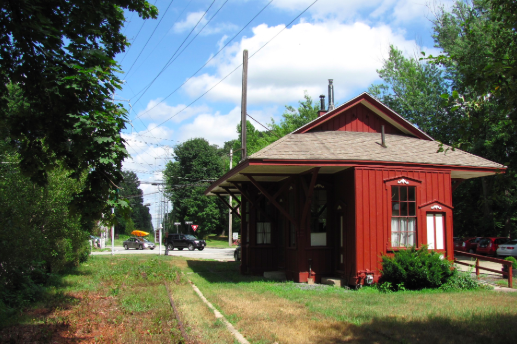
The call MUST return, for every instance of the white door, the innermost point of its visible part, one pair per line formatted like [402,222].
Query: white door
[435,231]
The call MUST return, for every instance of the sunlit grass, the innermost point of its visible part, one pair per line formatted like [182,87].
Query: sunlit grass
[330,314]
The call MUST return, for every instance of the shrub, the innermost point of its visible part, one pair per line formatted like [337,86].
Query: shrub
[462,280]
[513,260]
[416,269]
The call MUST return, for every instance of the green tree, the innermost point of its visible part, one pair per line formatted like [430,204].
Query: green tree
[140,217]
[291,120]
[196,164]
[57,78]
[415,90]
[38,235]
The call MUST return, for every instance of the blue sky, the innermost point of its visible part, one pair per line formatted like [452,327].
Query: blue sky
[334,39]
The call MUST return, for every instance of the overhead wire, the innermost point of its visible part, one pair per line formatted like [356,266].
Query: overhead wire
[173,23]
[270,130]
[224,78]
[210,59]
[167,64]
[134,39]
[148,39]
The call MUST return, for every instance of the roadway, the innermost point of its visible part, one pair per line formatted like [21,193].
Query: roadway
[221,254]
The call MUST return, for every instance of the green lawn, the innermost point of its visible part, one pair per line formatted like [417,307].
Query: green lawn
[123,299]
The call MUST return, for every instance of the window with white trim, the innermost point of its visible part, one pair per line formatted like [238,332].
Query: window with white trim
[403,216]
[263,222]
[435,231]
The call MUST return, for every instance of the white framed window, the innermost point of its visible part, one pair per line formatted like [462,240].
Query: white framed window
[403,216]
[263,232]
[435,231]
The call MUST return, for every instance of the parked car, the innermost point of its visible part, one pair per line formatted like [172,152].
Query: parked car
[470,244]
[509,248]
[181,241]
[237,253]
[458,242]
[96,241]
[138,243]
[488,246]
[150,244]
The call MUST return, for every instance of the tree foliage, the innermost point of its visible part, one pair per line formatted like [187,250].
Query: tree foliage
[38,234]
[419,91]
[291,120]
[57,78]
[140,217]
[196,164]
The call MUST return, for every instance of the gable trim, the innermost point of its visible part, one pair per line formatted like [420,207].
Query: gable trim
[374,105]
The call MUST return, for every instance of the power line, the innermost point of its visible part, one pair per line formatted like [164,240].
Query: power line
[145,45]
[270,130]
[168,62]
[290,23]
[207,62]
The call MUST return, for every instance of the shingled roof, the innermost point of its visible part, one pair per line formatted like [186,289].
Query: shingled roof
[361,146]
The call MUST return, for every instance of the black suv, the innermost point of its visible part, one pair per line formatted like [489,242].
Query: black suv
[181,241]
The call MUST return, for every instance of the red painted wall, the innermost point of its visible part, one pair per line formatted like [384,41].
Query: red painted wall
[372,211]
[358,119]
[345,192]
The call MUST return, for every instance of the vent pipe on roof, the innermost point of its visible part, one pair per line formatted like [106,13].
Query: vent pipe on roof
[331,95]
[322,106]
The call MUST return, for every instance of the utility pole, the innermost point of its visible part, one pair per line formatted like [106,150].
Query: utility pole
[244,103]
[230,236]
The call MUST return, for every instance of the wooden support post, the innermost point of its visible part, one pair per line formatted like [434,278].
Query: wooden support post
[477,268]
[272,200]
[243,193]
[233,195]
[309,194]
[510,279]
[234,210]
[244,152]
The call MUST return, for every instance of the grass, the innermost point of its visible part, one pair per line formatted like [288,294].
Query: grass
[113,300]
[124,300]
[295,313]
[216,241]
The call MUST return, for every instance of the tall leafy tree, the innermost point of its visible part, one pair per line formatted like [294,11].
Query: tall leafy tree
[38,234]
[140,217]
[196,164]
[57,78]
[415,89]
[291,120]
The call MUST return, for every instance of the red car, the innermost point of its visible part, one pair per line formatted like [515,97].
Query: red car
[488,246]
[468,245]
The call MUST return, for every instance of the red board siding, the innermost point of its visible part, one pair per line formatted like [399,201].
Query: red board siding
[345,192]
[359,119]
[372,210]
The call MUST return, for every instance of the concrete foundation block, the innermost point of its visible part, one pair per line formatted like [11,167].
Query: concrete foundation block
[331,281]
[275,275]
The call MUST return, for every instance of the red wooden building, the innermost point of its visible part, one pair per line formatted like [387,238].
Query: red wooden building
[333,196]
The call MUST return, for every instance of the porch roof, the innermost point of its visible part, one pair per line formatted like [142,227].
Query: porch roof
[335,151]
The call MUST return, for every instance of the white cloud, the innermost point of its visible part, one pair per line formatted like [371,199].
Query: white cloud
[394,11]
[189,22]
[215,128]
[157,111]
[194,17]
[300,59]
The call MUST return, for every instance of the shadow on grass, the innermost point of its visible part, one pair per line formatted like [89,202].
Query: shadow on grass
[221,272]
[482,329]
[38,334]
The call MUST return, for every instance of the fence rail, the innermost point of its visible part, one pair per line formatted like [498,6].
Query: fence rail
[507,274]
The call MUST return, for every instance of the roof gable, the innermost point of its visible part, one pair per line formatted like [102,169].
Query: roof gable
[363,114]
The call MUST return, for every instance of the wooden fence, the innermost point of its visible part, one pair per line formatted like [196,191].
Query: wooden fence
[507,274]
